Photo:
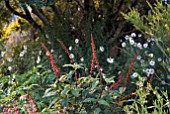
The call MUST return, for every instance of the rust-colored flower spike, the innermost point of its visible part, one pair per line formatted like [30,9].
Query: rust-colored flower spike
[151,78]
[129,70]
[118,82]
[55,68]
[94,58]
[32,104]
[66,50]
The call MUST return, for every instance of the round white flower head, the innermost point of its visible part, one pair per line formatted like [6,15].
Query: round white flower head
[139,45]
[152,63]
[151,71]
[76,41]
[10,68]
[134,75]
[131,41]
[148,40]
[52,51]
[2,53]
[106,88]
[133,34]
[151,55]
[159,59]
[123,44]
[101,48]
[40,52]
[81,59]
[38,60]
[22,54]
[110,60]
[139,35]
[73,27]
[70,48]
[127,37]
[101,69]
[139,57]
[145,45]
[71,56]
[25,47]
[9,59]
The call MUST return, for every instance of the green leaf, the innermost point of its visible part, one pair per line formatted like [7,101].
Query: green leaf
[75,92]
[65,91]
[97,111]
[103,102]
[107,112]
[89,100]
[94,84]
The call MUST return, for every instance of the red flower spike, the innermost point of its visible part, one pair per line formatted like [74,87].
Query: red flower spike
[151,78]
[118,82]
[94,57]
[54,66]
[66,50]
[32,104]
[129,70]
[126,97]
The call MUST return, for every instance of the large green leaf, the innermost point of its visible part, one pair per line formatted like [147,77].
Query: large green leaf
[97,111]
[75,92]
[94,84]
[89,100]
[103,102]
[65,91]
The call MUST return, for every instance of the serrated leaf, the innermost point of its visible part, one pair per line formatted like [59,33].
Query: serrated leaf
[103,102]
[97,111]
[75,92]
[89,100]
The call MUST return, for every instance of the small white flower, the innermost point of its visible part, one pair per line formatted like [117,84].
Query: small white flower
[40,52]
[73,27]
[106,88]
[133,34]
[2,53]
[81,59]
[142,61]
[152,63]
[9,59]
[10,68]
[159,59]
[139,45]
[145,45]
[101,48]
[49,42]
[148,40]
[151,55]
[151,71]
[71,56]
[22,54]
[76,41]
[123,44]
[101,69]
[134,75]
[110,60]
[38,60]
[103,75]
[127,37]
[139,35]
[132,42]
[139,57]
[52,51]
[70,48]
[25,47]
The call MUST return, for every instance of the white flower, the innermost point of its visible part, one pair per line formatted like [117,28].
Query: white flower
[101,48]
[25,47]
[127,37]
[22,54]
[76,41]
[132,42]
[38,60]
[10,59]
[151,55]
[133,34]
[73,27]
[81,59]
[49,42]
[123,44]
[40,52]
[151,70]
[139,57]
[10,68]
[142,61]
[103,75]
[139,45]
[52,51]
[106,88]
[148,40]
[47,54]
[70,48]
[145,45]
[139,35]
[101,69]
[2,53]
[152,63]
[159,59]
[71,56]
[110,60]
[134,75]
